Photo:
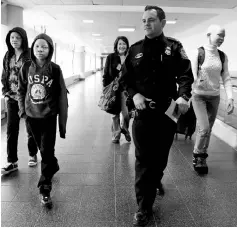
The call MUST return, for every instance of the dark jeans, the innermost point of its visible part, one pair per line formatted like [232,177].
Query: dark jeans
[13,123]
[153,135]
[44,132]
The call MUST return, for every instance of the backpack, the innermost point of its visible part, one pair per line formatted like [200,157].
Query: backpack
[201,57]
[187,122]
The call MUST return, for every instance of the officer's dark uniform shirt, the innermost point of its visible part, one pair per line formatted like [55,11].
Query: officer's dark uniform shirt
[154,66]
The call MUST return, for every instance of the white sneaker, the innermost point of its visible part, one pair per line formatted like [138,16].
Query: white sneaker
[32,161]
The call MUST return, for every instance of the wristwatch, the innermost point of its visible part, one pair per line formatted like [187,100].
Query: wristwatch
[186,98]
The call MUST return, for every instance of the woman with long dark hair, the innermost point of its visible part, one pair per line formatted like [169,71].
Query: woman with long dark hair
[112,69]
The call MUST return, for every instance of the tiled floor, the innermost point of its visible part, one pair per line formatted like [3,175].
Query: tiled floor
[94,186]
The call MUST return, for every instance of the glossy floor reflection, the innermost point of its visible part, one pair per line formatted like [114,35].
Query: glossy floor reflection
[94,186]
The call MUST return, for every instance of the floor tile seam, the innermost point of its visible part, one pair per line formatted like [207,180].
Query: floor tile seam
[14,196]
[79,173]
[115,186]
[186,160]
[78,185]
[97,162]
[182,198]
[222,207]
[52,196]
[57,183]
[12,185]
[76,173]
[154,219]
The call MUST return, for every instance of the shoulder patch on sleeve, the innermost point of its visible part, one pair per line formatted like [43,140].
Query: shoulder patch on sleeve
[138,42]
[172,39]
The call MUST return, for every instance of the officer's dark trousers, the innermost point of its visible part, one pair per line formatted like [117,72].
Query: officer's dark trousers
[44,132]
[153,135]
[13,123]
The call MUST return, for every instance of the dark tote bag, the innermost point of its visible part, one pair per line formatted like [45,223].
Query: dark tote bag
[110,98]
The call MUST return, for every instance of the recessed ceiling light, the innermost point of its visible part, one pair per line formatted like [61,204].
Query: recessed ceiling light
[95,34]
[171,22]
[126,29]
[98,39]
[88,21]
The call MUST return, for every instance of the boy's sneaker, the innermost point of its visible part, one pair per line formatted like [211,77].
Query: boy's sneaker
[126,134]
[45,195]
[115,139]
[141,218]
[9,167]
[32,161]
[46,200]
[200,164]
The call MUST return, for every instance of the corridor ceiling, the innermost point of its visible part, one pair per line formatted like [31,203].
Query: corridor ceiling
[109,15]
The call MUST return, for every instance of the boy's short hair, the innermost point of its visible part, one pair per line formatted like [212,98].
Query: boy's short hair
[160,12]
[124,39]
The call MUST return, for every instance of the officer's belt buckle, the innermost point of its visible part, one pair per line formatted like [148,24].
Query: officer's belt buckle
[152,105]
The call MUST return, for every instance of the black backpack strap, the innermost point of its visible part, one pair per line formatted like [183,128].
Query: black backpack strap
[222,58]
[201,57]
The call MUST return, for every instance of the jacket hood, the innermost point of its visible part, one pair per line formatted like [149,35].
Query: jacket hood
[51,47]
[23,35]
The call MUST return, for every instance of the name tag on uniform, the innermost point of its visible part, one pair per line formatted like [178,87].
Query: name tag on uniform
[168,51]
[139,55]
[118,67]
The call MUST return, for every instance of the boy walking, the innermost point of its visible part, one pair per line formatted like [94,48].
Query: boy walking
[43,96]
[15,57]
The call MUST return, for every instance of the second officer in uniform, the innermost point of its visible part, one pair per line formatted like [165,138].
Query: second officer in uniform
[153,68]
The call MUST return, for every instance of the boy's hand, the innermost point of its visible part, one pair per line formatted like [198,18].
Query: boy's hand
[6,98]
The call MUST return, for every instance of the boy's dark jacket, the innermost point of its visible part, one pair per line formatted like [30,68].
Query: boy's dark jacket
[42,91]
[25,55]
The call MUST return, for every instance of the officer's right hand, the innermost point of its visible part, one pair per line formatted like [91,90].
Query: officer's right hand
[139,101]
[6,98]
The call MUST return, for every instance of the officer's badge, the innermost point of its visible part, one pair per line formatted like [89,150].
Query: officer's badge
[119,67]
[168,51]
[139,55]
[115,87]
[183,53]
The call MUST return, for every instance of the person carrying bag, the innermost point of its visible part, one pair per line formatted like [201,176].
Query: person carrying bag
[113,98]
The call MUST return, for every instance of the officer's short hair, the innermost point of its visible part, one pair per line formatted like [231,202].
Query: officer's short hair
[160,12]
[124,39]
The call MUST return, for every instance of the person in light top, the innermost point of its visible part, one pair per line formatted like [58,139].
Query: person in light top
[206,93]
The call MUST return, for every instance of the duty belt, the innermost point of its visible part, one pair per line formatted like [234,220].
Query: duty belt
[150,105]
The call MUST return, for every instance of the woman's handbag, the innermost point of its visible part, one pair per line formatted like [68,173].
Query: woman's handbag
[110,98]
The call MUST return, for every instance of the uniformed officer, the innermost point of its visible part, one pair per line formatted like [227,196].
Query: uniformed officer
[151,71]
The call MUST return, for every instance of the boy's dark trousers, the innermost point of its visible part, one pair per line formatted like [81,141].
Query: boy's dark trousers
[13,123]
[153,135]
[44,132]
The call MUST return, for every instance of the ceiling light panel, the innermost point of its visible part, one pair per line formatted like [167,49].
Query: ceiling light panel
[122,29]
[88,21]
